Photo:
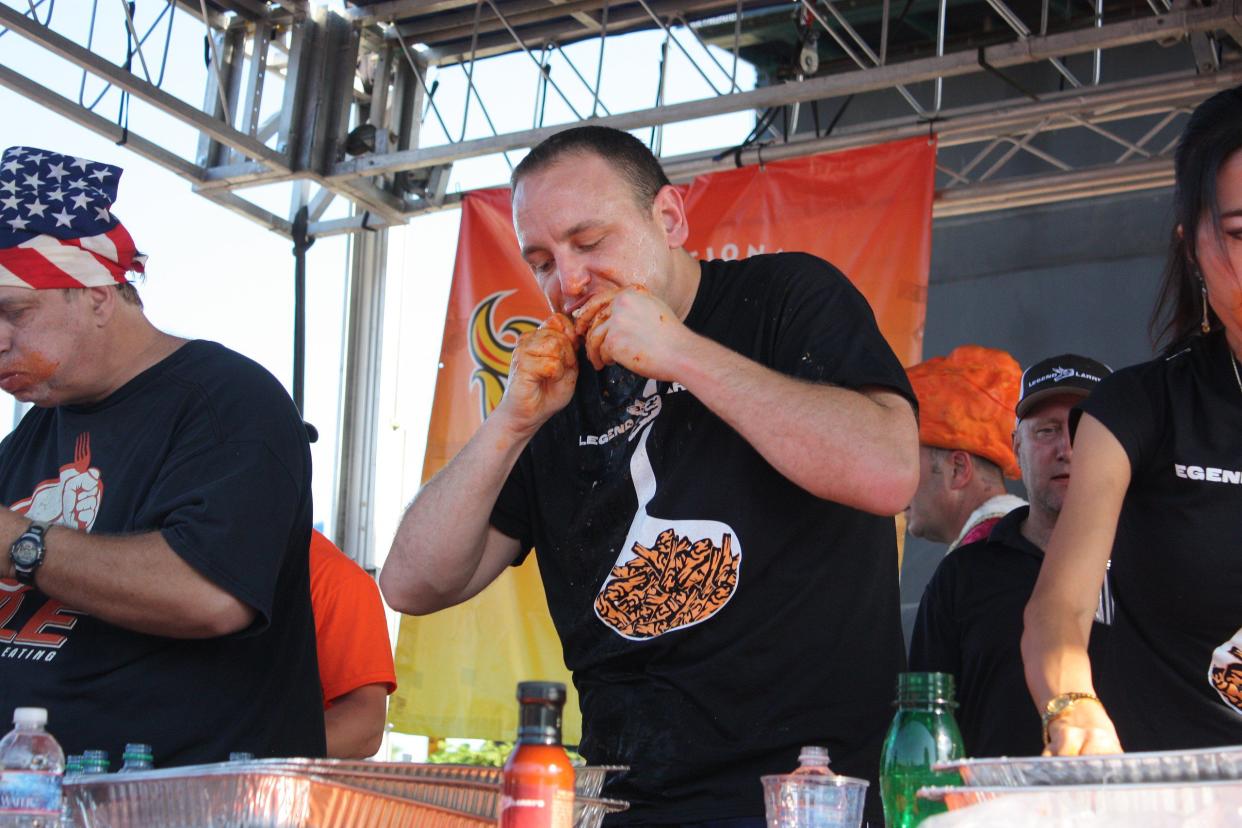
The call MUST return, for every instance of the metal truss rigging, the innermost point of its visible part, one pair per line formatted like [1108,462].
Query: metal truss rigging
[364,118]
[343,107]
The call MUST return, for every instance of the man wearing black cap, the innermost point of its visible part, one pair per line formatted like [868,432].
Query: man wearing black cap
[970,619]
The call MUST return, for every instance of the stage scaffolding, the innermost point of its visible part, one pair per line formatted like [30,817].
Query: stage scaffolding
[339,104]
[294,92]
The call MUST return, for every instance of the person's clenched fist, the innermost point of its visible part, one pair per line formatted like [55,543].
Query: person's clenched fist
[542,373]
[1084,728]
[632,328]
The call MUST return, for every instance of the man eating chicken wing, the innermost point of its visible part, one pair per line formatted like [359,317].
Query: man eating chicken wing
[706,457]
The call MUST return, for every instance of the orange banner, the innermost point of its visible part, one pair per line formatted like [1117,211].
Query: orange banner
[868,211]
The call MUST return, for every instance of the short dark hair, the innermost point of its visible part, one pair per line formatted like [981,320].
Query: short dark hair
[126,291]
[1213,133]
[129,293]
[628,155]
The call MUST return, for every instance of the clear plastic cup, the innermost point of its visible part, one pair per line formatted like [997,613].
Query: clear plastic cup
[814,801]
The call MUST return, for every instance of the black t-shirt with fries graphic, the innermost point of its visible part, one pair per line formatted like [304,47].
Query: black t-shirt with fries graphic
[1173,674]
[716,616]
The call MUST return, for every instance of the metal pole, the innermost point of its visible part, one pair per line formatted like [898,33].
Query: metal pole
[301,243]
[941,25]
[1098,63]
[354,528]
[657,132]
[884,14]
[599,68]
[737,42]
[469,69]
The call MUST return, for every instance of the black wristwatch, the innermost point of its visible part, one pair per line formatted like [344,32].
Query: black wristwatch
[28,550]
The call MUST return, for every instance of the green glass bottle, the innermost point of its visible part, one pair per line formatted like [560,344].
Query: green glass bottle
[923,733]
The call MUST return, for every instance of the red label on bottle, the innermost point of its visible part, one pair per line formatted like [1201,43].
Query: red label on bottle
[533,805]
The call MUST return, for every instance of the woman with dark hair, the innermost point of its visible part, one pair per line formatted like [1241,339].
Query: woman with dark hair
[1157,486]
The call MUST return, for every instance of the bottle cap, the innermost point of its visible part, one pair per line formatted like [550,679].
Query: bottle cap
[925,688]
[541,691]
[30,716]
[539,715]
[137,749]
[813,755]
[95,761]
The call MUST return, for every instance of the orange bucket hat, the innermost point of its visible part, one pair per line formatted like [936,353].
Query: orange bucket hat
[966,401]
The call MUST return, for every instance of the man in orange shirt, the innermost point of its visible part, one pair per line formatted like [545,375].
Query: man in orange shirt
[355,656]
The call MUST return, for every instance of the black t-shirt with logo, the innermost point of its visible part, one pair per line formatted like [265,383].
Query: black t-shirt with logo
[969,624]
[716,616]
[1177,558]
[206,448]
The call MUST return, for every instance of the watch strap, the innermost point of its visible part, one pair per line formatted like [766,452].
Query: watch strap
[37,531]
[1059,705]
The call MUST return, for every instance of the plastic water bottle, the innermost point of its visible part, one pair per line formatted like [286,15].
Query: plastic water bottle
[95,762]
[31,769]
[813,761]
[73,766]
[137,757]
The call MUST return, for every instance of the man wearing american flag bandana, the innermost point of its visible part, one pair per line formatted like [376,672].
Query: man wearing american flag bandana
[56,229]
[153,566]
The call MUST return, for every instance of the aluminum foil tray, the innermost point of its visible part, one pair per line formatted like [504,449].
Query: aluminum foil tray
[589,779]
[293,794]
[1205,765]
[214,796]
[1136,800]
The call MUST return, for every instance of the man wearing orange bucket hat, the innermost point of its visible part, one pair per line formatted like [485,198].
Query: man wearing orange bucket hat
[970,618]
[966,404]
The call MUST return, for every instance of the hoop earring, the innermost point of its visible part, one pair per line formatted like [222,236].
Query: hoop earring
[1206,324]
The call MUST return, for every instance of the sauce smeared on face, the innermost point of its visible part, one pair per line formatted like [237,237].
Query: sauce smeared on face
[26,373]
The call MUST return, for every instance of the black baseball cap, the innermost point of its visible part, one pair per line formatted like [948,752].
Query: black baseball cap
[1065,374]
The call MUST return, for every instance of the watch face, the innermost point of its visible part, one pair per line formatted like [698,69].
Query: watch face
[25,552]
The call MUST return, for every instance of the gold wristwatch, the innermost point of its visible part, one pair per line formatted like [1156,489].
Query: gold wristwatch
[1059,704]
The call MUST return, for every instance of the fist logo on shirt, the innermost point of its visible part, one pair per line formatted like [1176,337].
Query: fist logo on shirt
[73,497]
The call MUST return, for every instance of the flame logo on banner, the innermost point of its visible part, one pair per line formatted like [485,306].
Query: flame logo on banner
[491,348]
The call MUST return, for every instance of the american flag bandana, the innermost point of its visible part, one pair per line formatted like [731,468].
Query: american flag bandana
[56,228]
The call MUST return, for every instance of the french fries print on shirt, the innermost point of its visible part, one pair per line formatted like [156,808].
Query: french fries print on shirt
[1225,672]
[671,572]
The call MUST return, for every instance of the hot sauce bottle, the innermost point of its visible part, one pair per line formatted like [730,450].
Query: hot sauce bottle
[538,788]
